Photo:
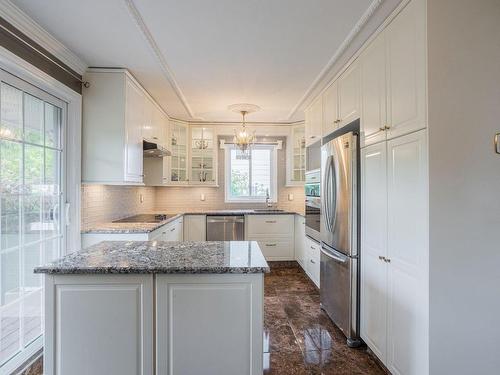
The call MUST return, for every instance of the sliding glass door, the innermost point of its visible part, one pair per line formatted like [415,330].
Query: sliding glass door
[31,209]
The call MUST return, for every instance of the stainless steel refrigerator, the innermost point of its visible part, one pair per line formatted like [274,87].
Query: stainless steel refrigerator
[339,277]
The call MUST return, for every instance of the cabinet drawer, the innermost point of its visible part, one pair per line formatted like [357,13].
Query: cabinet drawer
[275,249]
[313,260]
[274,225]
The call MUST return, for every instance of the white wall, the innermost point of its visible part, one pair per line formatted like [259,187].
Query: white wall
[464,115]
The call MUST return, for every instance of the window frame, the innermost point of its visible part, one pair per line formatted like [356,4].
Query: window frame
[273,193]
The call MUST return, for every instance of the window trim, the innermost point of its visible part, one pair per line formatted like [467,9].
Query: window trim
[273,194]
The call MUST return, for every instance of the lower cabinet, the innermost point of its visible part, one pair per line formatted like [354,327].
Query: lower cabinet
[274,234]
[98,324]
[313,260]
[173,231]
[394,255]
[300,240]
[209,324]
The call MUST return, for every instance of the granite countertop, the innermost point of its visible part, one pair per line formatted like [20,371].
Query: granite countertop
[136,257]
[130,228]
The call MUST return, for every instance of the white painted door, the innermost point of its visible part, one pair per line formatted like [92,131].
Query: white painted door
[406,70]
[209,324]
[314,121]
[330,109]
[407,253]
[373,93]
[374,248]
[349,94]
[134,118]
[99,324]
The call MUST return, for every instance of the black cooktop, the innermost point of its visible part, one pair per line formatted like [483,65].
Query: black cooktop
[144,218]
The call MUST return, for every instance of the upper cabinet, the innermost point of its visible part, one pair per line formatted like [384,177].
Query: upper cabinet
[393,78]
[349,95]
[296,156]
[178,147]
[330,109]
[113,120]
[314,120]
[203,157]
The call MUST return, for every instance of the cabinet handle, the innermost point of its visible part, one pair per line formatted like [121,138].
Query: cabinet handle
[171,230]
[312,261]
[382,258]
[382,129]
[155,137]
[270,221]
[387,260]
[387,127]
[312,247]
[270,244]
[312,136]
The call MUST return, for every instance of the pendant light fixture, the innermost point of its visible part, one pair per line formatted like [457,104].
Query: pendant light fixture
[243,138]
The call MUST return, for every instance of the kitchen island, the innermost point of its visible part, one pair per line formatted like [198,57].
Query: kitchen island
[155,308]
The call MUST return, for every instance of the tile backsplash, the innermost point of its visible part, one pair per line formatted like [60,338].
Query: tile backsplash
[104,203]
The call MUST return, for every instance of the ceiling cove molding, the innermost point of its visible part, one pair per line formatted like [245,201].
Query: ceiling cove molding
[21,21]
[338,53]
[167,72]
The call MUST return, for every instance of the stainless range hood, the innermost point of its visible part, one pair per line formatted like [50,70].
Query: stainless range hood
[154,150]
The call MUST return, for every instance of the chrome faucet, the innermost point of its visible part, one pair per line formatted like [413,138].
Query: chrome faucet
[268,199]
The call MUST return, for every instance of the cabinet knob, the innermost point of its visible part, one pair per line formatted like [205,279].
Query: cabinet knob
[387,260]
[381,257]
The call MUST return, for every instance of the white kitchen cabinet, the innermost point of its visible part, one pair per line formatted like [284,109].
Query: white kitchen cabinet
[330,109]
[374,248]
[113,117]
[314,121]
[394,256]
[274,234]
[296,164]
[108,317]
[373,92]
[406,70]
[173,231]
[178,140]
[313,260]
[300,240]
[203,155]
[156,170]
[349,95]
[195,227]
[209,324]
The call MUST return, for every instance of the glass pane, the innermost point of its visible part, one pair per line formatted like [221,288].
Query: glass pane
[51,249]
[32,222]
[11,104]
[240,174]
[10,224]
[11,166]
[33,169]
[261,172]
[52,125]
[52,172]
[10,310]
[32,294]
[51,216]
[33,119]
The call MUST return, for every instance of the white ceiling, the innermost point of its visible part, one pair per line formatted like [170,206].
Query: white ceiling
[196,57]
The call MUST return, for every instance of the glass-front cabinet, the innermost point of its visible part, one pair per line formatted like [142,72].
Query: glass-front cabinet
[297,155]
[202,155]
[178,147]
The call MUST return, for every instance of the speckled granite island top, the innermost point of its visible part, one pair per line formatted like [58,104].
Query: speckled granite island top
[122,257]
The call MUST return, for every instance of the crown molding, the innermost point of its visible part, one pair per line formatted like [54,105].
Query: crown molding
[327,69]
[167,72]
[25,24]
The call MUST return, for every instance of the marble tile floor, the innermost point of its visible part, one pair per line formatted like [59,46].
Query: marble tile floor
[299,339]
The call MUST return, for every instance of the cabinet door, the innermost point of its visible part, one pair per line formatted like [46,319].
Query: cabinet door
[195,227]
[314,121]
[407,250]
[178,160]
[313,263]
[297,156]
[348,91]
[373,93]
[202,155]
[406,70]
[133,141]
[330,109]
[374,246]
[300,240]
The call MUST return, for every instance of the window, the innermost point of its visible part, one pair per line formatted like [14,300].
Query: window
[251,176]
[31,197]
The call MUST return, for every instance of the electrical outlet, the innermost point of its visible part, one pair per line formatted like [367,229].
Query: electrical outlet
[141,198]
[290,197]
[202,197]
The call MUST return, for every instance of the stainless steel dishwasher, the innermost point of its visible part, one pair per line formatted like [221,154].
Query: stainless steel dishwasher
[225,228]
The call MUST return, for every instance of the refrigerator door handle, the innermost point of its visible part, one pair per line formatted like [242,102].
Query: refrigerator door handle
[326,193]
[334,257]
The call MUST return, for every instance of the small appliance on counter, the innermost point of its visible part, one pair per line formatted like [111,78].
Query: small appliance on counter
[312,188]
[340,215]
